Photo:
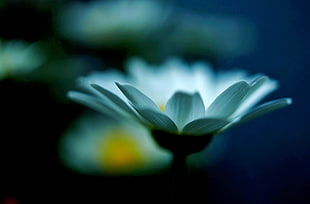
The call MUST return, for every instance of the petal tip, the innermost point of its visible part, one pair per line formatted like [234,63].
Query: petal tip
[289,101]
[71,94]
[119,84]
[122,86]
[93,85]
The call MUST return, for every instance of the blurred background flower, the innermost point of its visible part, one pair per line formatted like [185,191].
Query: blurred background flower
[18,58]
[112,24]
[129,27]
[96,145]
[212,36]
[153,30]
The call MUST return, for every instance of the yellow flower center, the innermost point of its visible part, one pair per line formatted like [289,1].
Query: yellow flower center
[161,107]
[120,153]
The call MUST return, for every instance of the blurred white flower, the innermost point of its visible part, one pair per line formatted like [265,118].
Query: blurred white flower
[215,36]
[94,145]
[113,22]
[19,57]
[178,100]
[154,29]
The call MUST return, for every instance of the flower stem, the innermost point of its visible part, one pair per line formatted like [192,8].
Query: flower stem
[180,175]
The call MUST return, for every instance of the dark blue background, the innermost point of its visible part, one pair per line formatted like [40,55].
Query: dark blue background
[268,160]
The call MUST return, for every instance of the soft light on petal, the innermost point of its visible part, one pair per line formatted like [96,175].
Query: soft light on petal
[106,79]
[224,79]
[114,98]
[183,108]
[93,102]
[119,103]
[204,126]
[157,119]
[266,108]
[204,81]
[137,98]
[260,88]
[228,101]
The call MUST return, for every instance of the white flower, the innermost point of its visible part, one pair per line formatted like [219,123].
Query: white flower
[112,23]
[183,100]
[94,145]
[18,57]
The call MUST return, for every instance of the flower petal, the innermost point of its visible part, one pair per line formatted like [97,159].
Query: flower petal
[136,97]
[204,126]
[157,119]
[228,101]
[265,108]
[183,108]
[93,103]
[114,98]
[260,88]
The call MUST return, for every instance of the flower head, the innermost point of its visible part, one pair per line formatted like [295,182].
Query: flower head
[182,100]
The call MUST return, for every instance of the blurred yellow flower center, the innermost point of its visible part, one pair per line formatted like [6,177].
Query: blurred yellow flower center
[161,107]
[120,153]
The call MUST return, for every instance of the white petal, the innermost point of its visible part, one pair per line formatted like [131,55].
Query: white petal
[204,126]
[158,119]
[136,97]
[93,103]
[204,81]
[114,98]
[147,78]
[120,104]
[105,79]
[183,108]
[224,79]
[260,88]
[228,101]
[266,108]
